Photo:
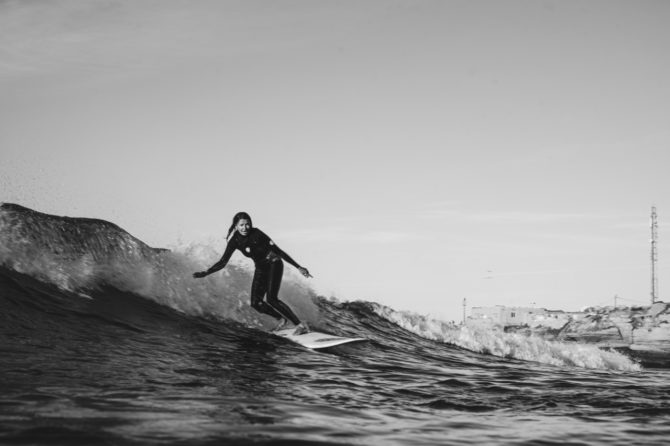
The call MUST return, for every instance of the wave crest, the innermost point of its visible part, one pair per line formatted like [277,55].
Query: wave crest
[509,345]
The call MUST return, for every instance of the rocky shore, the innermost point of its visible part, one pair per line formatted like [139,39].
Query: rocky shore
[638,328]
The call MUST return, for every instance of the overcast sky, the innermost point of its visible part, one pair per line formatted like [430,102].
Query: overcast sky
[412,153]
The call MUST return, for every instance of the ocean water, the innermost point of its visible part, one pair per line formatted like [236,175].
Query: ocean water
[104,340]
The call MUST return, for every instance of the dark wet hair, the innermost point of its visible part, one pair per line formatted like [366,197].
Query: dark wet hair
[239,216]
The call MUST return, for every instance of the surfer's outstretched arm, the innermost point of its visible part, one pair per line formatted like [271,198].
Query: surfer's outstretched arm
[283,255]
[220,264]
[288,258]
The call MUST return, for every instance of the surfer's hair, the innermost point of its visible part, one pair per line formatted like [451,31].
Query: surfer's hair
[236,219]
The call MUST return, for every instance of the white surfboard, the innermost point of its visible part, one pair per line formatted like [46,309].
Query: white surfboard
[315,339]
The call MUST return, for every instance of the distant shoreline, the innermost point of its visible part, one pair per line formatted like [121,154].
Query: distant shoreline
[643,330]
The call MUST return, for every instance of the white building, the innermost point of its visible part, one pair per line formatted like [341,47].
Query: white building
[502,316]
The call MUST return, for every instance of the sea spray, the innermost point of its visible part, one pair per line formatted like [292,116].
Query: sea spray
[508,345]
[234,281]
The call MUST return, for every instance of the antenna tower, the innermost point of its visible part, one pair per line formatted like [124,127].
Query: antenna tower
[654,255]
[464,304]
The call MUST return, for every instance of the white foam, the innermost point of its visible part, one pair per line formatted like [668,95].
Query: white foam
[509,345]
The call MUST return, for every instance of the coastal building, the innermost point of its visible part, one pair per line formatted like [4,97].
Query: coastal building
[502,316]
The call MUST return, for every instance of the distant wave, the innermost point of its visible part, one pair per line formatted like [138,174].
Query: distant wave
[509,345]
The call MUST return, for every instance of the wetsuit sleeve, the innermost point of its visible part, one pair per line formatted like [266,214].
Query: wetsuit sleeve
[230,248]
[286,257]
[279,251]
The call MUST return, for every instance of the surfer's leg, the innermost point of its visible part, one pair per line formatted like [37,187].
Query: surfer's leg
[259,287]
[274,282]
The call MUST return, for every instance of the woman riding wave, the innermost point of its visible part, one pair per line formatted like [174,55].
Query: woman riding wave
[267,257]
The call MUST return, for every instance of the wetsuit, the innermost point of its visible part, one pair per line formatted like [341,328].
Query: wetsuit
[267,258]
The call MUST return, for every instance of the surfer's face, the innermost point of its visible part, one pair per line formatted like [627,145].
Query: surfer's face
[243,226]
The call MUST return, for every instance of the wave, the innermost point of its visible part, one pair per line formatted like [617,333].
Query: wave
[509,345]
[97,269]
[81,255]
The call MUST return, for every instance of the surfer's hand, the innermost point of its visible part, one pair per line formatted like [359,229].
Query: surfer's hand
[199,274]
[304,272]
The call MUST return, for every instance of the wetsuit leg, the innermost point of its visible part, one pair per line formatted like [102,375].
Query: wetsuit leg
[259,287]
[274,282]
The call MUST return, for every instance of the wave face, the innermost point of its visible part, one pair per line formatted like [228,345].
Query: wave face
[81,255]
[106,340]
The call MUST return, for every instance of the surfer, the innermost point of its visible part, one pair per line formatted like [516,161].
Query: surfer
[267,257]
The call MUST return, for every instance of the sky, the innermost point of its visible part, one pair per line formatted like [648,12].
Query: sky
[411,153]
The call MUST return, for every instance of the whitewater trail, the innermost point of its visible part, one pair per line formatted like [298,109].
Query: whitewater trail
[509,345]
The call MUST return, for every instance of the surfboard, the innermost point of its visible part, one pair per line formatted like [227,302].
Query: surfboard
[314,339]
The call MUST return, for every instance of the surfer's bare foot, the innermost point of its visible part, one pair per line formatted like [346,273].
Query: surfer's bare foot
[301,328]
[280,325]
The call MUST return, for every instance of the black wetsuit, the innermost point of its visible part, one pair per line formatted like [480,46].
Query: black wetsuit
[269,270]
